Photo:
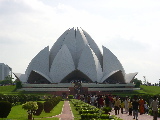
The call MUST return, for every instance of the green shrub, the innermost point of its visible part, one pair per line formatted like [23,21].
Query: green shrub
[18,84]
[40,109]
[107,109]
[48,106]
[104,116]
[70,96]
[5,108]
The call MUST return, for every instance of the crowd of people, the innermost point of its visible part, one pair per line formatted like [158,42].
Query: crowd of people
[131,106]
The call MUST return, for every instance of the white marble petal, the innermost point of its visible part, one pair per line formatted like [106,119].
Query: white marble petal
[56,47]
[44,75]
[39,63]
[70,42]
[62,65]
[89,64]
[108,75]
[110,62]
[130,76]
[21,77]
[80,44]
[94,47]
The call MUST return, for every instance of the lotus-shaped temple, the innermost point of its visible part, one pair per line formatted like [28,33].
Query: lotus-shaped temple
[75,56]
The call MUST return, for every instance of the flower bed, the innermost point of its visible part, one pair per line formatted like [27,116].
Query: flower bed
[89,112]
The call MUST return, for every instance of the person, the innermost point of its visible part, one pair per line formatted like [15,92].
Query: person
[154,105]
[126,104]
[110,101]
[117,104]
[101,101]
[93,99]
[89,99]
[146,108]
[141,106]
[122,106]
[130,107]
[106,101]
[135,106]
[150,100]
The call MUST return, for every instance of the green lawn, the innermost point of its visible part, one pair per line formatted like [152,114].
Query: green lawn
[154,90]
[8,89]
[17,113]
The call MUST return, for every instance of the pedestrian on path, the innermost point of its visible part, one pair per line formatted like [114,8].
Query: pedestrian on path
[141,106]
[135,105]
[126,105]
[154,105]
[117,105]
[122,106]
[146,108]
[130,107]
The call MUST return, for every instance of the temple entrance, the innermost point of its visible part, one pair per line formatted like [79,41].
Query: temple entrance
[76,76]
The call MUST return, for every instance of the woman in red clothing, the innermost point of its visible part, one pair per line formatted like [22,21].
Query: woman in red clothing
[141,106]
[101,101]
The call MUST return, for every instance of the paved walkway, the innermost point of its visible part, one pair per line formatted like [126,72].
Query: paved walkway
[127,117]
[68,115]
[66,112]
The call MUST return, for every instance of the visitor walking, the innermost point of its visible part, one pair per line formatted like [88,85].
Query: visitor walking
[122,106]
[126,105]
[101,101]
[117,104]
[154,105]
[135,106]
[141,106]
[146,108]
[93,99]
[130,107]
[106,101]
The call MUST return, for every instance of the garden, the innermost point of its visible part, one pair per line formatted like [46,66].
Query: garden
[22,106]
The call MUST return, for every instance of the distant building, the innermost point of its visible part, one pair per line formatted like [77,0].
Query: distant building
[5,70]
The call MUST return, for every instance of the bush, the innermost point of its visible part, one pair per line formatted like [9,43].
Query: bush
[107,109]
[48,106]
[18,84]
[70,96]
[40,108]
[5,108]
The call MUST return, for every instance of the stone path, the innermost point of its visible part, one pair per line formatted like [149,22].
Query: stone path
[127,117]
[66,112]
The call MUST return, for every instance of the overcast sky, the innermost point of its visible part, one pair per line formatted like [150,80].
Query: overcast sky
[129,28]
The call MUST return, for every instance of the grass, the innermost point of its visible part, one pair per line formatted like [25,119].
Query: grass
[17,113]
[154,90]
[75,113]
[8,89]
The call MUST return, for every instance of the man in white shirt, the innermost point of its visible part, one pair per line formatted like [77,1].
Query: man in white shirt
[93,99]
[126,105]
[154,106]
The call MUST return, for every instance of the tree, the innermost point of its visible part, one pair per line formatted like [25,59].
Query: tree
[137,82]
[7,80]
[31,107]
[18,84]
